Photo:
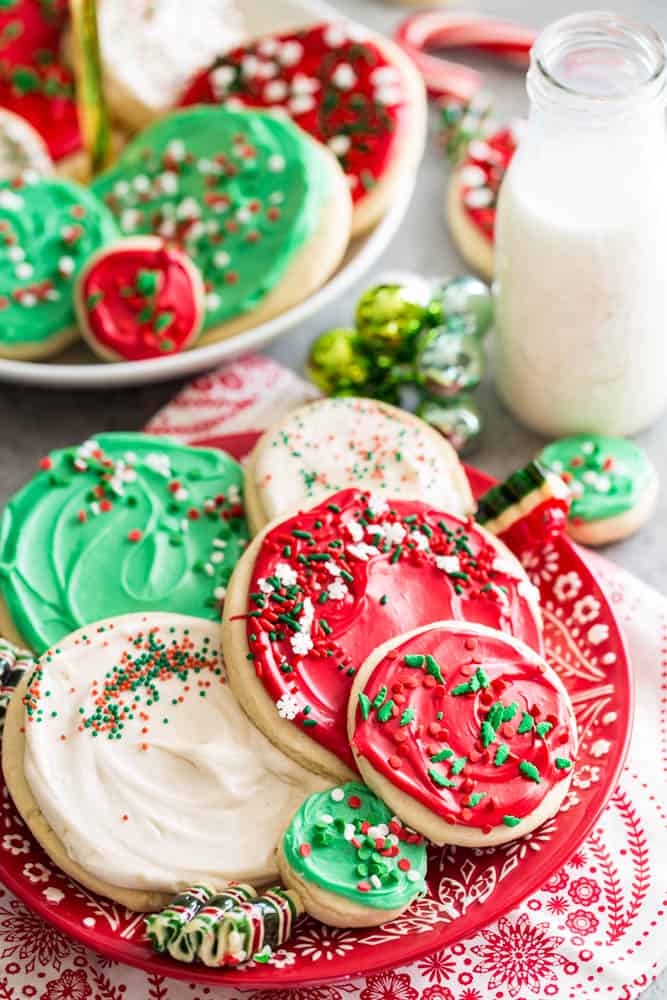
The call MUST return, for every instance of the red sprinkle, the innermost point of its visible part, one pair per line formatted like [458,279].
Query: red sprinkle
[404,865]
[45,463]
[105,505]
[395,762]
[364,886]
[304,850]
[354,802]
[135,535]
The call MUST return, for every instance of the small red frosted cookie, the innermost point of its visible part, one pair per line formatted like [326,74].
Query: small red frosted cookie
[316,593]
[473,195]
[355,92]
[140,299]
[464,732]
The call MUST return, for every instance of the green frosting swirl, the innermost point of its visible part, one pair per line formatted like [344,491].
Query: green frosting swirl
[123,523]
[240,191]
[606,475]
[326,844]
[48,229]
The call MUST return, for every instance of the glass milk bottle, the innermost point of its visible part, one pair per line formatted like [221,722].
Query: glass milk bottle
[581,251]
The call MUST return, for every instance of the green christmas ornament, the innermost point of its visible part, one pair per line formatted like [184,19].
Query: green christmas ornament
[389,317]
[336,364]
[447,363]
[466,299]
[459,420]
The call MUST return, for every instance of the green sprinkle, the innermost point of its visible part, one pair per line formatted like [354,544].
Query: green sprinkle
[408,716]
[442,755]
[385,711]
[347,576]
[94,299]
[162,321]
[458,765]
[310,722]
[323,598]
[526,724]
[412,660]
[364,705]
[510,711]
[511,821]
[495,714]
[488,734]
[396,554]
[287,551]
[542,728]
[298,533]
[383,599]
[461,689]
[502,753]
[476,798]
[563,763]
[433,669]
[380,696]
[529,771]
[147,281]
[440,780]
[482,678]
[325,626]
[333,507]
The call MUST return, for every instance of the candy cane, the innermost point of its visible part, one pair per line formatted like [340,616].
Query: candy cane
[439,30]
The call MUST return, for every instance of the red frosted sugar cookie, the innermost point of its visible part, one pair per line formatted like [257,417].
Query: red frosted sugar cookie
[473,196]
[139,299]
[34,83]
[464,732]
[358,94]
[314,595]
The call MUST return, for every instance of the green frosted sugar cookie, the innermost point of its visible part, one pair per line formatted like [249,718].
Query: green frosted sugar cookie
[347,841]
[606,475]
[124,522]
[48,229]
[240,191]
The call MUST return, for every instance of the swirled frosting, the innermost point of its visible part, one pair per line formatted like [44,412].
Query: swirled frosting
[140,758]
[125,522]
[475,726]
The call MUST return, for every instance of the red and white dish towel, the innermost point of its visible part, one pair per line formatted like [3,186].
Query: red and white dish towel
[597,929]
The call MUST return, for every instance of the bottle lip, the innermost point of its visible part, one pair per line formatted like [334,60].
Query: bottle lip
[560,43]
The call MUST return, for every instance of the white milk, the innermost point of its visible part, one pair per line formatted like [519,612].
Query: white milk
[581,238]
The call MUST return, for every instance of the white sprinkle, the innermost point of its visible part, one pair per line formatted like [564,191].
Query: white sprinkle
[221,79]
[413,876]
[348,832]
[24,270]
[66,265]
[94,507]
[337,590]
[181,494]
[276,197]
[212,300]
[335,36]
[219,593]
[301,643]
[276,163]
[356,531]
[249,65]
[301,104]
[588,448]
[302,84]
[189,208]
[286,574]
[121,188]
[15,254]
[276,90]
[264,586]
[168,182]
[448,564]
[176,149]
[339,144]
[375,881]
[10,200]
[332,568]
[384,75]
[378,505]
[326,818]
[290,53]
[344,76]
[141,183]
[268,47]
[130,219]
[473,176]
[388,95]
[28,300]
[608,659]
[217,557]
[288,706]
[337,794]
[363,551]
[479,197]
[218,543]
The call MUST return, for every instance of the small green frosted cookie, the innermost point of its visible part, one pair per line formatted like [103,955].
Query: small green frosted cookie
[122,523]
[48,229]
[612,481]
[350,860]
[263,211]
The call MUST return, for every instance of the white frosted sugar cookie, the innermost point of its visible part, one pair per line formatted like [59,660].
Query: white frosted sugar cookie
[335,443]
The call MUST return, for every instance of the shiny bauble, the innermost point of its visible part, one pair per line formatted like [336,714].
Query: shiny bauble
[389,317]
[467,299]
[336,363]
[459,420]
[448,362]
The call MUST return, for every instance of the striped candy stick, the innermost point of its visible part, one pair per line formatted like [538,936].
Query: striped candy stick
[164,927]
[14,662]
[427,30]
[202,931]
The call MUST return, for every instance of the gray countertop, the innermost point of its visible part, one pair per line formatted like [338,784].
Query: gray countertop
[33,421]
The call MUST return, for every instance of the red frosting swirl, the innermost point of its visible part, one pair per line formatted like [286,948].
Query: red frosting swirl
[471,726]
[334,84]
[333,583]
[142,300]
[34,82]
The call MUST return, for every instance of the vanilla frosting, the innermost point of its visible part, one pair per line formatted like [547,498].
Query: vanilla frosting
[336,443]
[142,761]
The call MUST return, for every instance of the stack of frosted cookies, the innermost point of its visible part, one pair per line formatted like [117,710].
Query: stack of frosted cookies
[378,683]
[240,172]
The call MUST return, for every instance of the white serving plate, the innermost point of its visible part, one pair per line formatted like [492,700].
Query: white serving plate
[79,368]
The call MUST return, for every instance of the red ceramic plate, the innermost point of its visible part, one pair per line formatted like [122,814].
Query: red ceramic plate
[469,888]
